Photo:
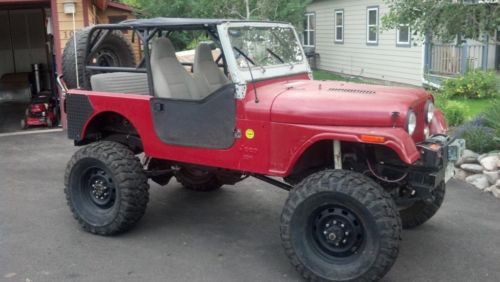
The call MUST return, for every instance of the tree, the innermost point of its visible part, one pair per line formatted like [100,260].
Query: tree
[276,10]
[444,19]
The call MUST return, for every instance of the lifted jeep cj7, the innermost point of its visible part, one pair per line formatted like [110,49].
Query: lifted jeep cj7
[361,162]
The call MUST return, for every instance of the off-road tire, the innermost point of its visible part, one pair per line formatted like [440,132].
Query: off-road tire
[126,177]
[361,196]
[115,43]
[422,211]
[207,183]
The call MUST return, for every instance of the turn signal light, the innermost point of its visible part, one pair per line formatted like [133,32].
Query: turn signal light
[373,138]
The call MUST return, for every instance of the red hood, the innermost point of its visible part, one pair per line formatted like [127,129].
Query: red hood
[341,103]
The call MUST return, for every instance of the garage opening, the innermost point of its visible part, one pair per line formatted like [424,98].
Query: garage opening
[28,98]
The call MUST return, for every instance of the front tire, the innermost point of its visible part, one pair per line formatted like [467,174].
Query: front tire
[421,211]
[106,188]
[340,226]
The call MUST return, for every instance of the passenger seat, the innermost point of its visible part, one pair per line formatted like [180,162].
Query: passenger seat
[206,71]
[170,78]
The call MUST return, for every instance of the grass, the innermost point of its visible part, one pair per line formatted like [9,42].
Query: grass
[326,75]
[473,106]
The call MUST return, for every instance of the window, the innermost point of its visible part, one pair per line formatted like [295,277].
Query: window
[339,26]
[308,36]
[403,36]
[117,19]
[372,25]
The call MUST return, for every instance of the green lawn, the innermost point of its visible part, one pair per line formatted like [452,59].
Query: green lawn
[326,75]
[475,107]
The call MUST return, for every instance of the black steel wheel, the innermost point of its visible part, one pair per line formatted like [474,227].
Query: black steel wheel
[421,211]
[106,188]
[340,226]
[336,231]
[196,179]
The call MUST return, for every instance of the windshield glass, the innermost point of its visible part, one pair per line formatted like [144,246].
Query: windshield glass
[264,46]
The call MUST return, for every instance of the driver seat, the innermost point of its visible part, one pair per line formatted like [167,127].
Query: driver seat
[170,78]
[206,71]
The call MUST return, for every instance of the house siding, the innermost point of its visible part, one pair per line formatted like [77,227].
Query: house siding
[384,60]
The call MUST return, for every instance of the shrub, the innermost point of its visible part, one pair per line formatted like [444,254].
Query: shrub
[454,112]
[473,85]
[478,137]
[492,117]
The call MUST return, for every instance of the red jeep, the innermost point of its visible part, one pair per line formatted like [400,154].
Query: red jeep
[361,162]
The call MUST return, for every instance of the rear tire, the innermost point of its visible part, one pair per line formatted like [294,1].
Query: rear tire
[115,51]
[340,226]
[106,188]
[197,179]
[421,211]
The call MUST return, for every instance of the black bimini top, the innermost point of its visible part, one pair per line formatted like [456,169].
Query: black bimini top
[175,23]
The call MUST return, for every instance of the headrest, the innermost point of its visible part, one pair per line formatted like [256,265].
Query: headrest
[203,53]
[162,47]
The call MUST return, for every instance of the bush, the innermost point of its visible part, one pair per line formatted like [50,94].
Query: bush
[478,137]
[492,117]
[454,112]
[473,85]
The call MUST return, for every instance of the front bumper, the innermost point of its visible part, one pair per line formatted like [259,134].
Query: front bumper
[438,155]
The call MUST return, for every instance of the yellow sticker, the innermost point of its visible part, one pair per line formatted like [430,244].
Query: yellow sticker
[249,133]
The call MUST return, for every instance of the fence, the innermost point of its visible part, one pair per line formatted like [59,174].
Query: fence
[452,59]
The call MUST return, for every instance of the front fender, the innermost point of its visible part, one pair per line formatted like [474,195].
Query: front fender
[438,123]
[289,142]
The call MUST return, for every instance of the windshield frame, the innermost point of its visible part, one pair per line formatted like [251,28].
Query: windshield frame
[242,75]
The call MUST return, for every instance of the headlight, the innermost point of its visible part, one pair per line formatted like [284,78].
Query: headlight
[411,122]
[429,111]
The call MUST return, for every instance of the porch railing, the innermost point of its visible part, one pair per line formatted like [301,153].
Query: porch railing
[452,59]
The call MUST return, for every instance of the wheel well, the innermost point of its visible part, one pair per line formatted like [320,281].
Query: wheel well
[113,127]
[319,156]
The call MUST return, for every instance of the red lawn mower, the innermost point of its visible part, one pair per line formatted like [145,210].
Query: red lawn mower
[40,112]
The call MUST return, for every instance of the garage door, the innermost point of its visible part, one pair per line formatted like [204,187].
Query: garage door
[22,40]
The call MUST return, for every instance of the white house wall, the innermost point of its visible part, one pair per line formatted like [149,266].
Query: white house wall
[383,61]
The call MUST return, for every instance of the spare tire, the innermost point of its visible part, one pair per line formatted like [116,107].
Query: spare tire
[114,51]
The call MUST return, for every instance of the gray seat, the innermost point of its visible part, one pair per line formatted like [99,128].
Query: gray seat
[171,79]
[120,82]
[206,72]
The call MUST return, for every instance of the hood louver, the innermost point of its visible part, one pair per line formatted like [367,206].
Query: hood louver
[352,91]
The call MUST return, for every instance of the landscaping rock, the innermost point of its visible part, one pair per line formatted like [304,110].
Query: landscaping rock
[498,184]
[489,162]
[493,176]
[468,157]
[489,189]
[496,192]
[461,174]
[473,168]
[479,180]
[498,163]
